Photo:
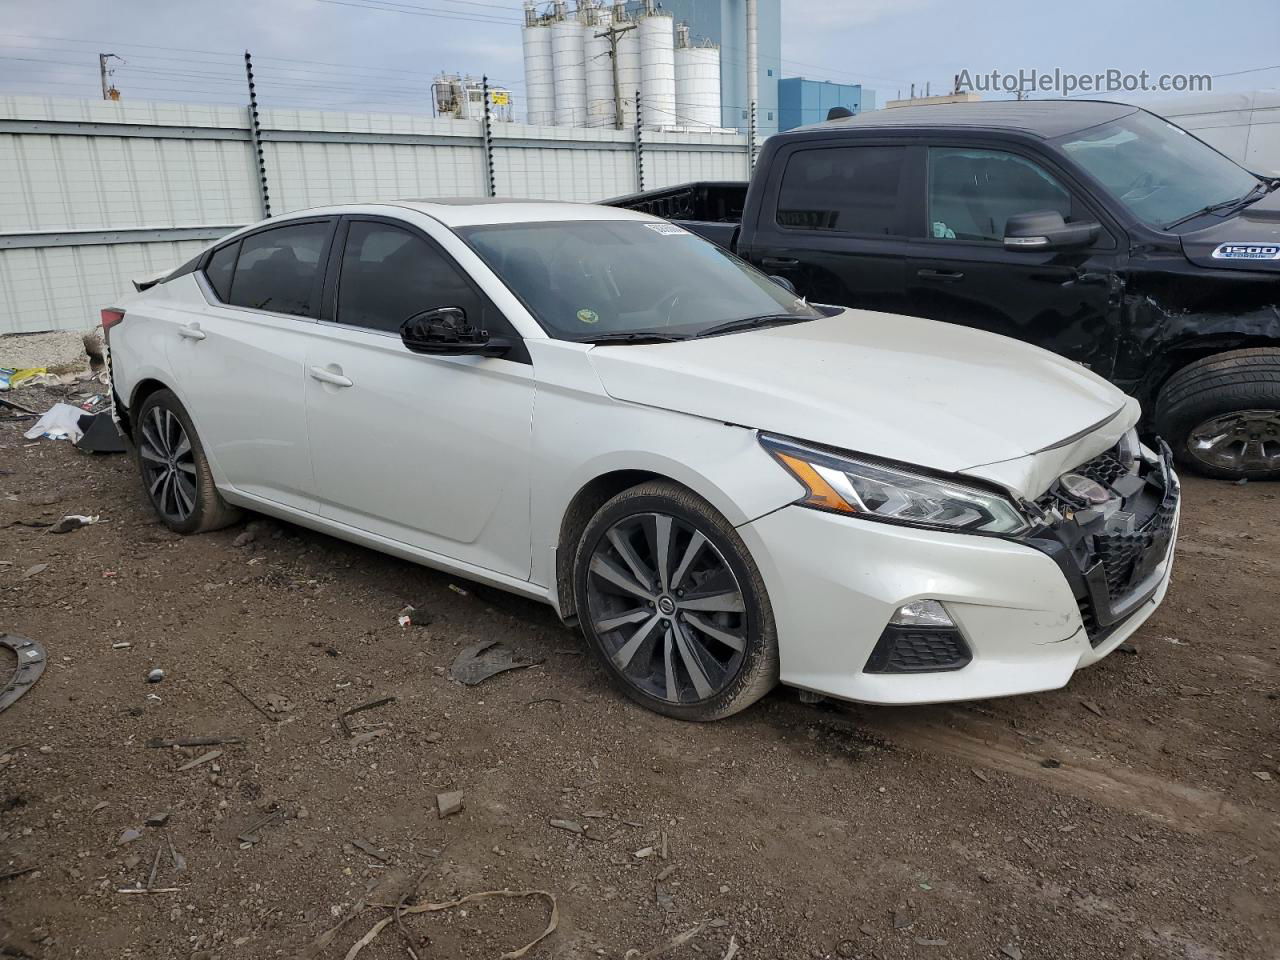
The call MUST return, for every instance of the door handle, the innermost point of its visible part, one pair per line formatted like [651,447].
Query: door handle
[328,376]
[192,331]
[778,262]
[942,276]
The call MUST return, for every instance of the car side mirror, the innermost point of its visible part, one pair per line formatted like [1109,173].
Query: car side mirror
[783,282]
[1046,230]
[445,331]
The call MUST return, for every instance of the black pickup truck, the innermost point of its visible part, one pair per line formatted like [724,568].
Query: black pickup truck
[1097,230]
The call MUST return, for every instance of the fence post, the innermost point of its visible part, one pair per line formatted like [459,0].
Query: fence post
[255,137]
[491,183]
[639,146]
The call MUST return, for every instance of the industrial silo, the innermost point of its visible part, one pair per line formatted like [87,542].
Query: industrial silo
[569,62]
[539,75]
[657,68]
[697,81]
[600,105]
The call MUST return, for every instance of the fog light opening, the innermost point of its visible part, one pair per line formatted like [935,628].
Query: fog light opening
[922,613]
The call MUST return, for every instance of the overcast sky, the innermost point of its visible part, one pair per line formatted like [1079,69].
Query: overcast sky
[379,54]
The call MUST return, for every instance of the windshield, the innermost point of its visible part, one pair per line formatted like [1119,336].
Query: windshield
[588,279]
[1157,170]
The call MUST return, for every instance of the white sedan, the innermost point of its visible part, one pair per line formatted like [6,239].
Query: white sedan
[723,485]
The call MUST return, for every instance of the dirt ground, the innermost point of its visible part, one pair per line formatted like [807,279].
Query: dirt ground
[1134,814]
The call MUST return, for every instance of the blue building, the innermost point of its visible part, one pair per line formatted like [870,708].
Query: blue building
[724,23]
[802,101]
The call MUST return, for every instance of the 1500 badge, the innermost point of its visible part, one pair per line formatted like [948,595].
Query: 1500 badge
[1247,251]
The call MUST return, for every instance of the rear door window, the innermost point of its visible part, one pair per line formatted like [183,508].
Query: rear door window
[280,269]
[221,268]
[844,189]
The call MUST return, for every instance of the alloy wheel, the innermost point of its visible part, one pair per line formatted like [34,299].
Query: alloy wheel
[168,464]
[667,608]
[1244,440]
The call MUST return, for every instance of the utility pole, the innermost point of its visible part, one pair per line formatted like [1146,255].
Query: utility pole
[612,35]
[109,92]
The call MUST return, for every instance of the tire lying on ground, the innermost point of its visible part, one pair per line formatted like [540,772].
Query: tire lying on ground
[1221,415]
[175,472]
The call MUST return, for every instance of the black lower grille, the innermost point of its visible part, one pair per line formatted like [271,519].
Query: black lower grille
[918,650]
[1120,553]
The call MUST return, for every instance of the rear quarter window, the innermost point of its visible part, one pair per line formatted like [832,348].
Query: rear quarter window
[221,268]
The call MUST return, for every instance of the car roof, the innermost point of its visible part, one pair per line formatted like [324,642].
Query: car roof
[1040,118]
[476,211]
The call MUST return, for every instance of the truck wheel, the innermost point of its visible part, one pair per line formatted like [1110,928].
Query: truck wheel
[1221,415]
[673,606]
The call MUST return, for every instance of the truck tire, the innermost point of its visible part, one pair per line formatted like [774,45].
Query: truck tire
[1221,415]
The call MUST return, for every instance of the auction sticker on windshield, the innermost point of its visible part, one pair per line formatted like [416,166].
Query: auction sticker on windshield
[666,229]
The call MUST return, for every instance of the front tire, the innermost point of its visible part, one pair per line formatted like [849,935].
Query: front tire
[1221,415]
[673,606]
[175,472]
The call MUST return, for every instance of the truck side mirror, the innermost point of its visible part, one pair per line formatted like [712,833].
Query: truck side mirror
[1046,230]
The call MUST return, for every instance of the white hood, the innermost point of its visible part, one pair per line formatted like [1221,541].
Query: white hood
[917,391]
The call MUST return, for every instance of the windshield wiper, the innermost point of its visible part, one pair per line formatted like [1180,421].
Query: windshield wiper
[1258,190]
[638,336]
[752,323]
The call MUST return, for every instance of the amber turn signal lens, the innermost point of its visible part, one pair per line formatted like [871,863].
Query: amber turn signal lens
[820,493]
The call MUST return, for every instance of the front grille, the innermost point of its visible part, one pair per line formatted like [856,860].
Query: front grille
[1109,551]
[916,650]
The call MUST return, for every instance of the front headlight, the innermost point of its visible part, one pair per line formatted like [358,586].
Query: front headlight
[846,484]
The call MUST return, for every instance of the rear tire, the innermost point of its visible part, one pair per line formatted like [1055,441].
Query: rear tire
[673,606]
[1221,415]
[175,471]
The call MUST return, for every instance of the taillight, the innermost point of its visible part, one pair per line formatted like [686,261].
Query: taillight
[110,317]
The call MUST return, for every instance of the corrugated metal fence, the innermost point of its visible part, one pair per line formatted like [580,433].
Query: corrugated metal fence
[94,193]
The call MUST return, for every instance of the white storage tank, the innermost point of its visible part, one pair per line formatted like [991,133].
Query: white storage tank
[539,73]
[569,61]
[600,105]
[658,70]
[698,85]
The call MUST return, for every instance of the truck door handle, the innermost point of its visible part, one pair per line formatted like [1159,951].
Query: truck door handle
[942,276]
[192,331]
[779,262]
[329,376]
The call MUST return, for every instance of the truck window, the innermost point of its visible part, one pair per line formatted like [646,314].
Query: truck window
[972,193]
[843,189]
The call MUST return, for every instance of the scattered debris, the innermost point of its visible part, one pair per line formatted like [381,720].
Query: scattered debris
[194,742]
[100,434]
[202,759]
[1244,861]
[244,539]
[149,890]
[1092,707]
[31,663]
[931,941]
[18,873]
[980,775]
[665,872]
[158,819]
[901,920]
[405,617]
[1012,952]
[34,571]
[480,661]
[253,703]
[731,950]
[130,835]
[449,803]
[59,422]
[250,836]
[279,703]
[847,949]
[371,705]
[679,940]
[643,853]
[1262,775]
[458,590]
[1050,764]
[155,676]
[567,825]
[360,739]
[73,521]
[552,922]
[365,846]
[1128,648]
